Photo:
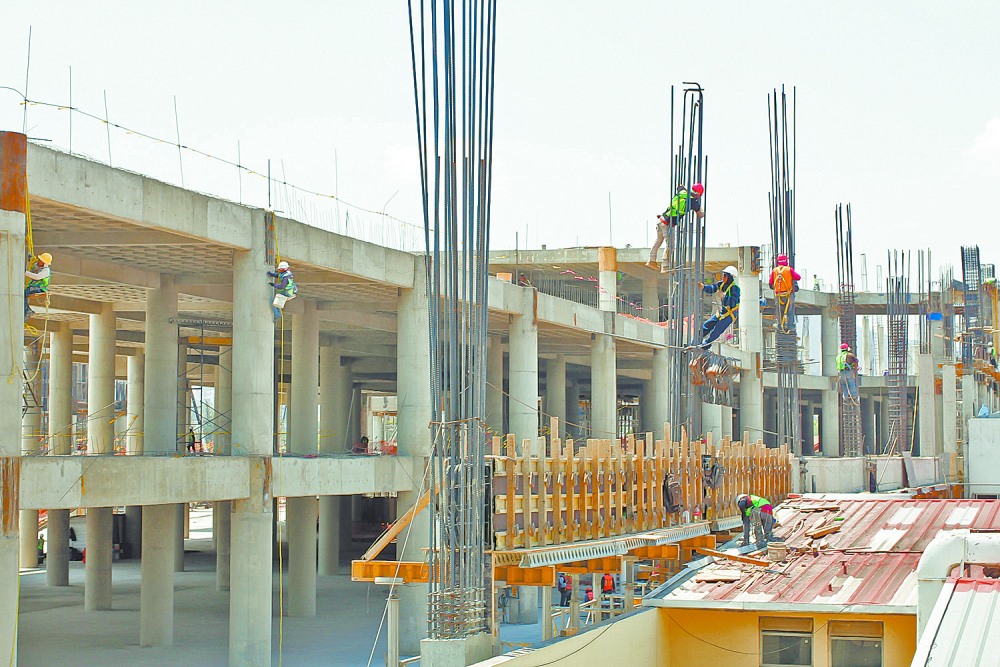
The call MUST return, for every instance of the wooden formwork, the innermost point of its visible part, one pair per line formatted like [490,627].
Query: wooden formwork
[567,492]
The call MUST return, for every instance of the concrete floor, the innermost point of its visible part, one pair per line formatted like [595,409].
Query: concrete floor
[341,634]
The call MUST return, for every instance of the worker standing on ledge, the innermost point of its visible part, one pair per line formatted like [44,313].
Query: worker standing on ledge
[758,513]
[679,205]
[847,368]
[718,323]
[784,282]
[36,280]
[285,288]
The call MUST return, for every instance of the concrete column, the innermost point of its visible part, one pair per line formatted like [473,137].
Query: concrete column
[223,444]
[927,406]
[413,414]
[555,391]
[659,389]
[603,387]
[335,392]
[303,427]
[31,426]
[969,397]
[100,439]
[60,439]
[494,390]
[546,619]
[829,439]
[829,340]
[651,299]
[13,196]
[135,395]
[868,423]
[160,372]
[180,521]
[156,593]
[574,600]
[866,354]
[523,370]
[607,276]
[253,425]
[751,350]
[572,410]
[392,626]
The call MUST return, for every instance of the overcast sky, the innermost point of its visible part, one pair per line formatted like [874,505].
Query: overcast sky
[898,109]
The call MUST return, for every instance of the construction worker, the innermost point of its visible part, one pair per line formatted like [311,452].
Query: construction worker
[607,584]
[562,584]
[784,282]
[758,513]
[993,356]
[679,205]
[36,279]
[847,368]
[718,323]
[285,288]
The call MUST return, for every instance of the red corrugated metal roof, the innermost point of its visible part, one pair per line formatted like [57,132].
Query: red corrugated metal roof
[871,560]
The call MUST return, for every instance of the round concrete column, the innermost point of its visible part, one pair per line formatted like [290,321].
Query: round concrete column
[60,439]
[555,391]
[160,372]
[223,447]
[336,387]
[156,595]
[135,394]
[659,387]
[31,426]
[603,387]
[523,372]
[494,388]
[100,441]
[301,512]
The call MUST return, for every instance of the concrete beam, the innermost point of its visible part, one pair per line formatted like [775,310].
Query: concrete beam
[70,263]
[45,240]
[360,320]
[341,476]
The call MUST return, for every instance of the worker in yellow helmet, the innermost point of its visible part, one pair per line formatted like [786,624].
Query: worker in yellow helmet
[36,279]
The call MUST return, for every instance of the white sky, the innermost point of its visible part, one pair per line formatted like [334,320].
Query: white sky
[899,109]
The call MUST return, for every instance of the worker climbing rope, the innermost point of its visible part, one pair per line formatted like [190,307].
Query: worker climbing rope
[681,203]
[284,290]
[716,325]
[36,279]
[847,370]
[784,282]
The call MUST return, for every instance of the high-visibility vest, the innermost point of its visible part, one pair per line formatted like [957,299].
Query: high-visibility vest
[607,583]
[842,363]
[758,502]
[43,283]
[678,205]
[782,279]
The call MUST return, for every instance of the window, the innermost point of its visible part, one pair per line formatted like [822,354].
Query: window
[785,641]
[855,644]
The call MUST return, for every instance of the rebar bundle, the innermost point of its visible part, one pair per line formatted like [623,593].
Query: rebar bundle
[972,307]
[452,47]
[897,290]
[781,204]
[948,311]
[684,262]
[851,434]
[924,305]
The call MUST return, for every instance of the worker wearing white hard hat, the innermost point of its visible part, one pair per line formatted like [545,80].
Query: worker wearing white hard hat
[718,323]
[284,288]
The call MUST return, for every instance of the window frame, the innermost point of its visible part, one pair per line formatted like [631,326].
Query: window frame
[788,633]
[857,636]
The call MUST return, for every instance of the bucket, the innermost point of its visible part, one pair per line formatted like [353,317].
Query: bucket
[279,301]
[777,551]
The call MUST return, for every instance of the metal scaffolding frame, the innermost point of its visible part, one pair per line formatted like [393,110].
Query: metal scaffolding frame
[973,346]
[452,47]
[925,304]
[851,432]
[897,308]
[684,264]
[781,205]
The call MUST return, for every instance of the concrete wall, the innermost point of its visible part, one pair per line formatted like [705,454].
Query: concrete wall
[984,443]
[831,475]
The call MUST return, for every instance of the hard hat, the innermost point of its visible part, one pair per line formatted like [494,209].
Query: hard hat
[45,258]
[282,266]
[731,270]
[782,260]
[741,497]
[699,188]
[845,346]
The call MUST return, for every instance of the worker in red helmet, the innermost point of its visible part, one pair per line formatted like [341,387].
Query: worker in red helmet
[847,369]
[784,282]
[681,203]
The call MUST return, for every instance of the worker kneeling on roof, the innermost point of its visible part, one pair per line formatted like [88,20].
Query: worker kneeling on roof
[284,289]
[757,512]
[36,280]
[718,323]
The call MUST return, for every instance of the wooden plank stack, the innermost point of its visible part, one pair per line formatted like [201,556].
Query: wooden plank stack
[555,492]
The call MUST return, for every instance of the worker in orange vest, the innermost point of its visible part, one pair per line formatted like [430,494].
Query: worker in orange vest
[607,584]
[784,282]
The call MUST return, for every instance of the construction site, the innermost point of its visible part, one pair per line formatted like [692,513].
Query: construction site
[249,435]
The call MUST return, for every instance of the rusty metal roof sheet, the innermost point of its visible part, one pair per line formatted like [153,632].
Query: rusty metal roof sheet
[870,560]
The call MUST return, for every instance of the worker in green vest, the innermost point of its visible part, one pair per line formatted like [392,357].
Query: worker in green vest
[758,513]
[680,204]
[284,288]
[847,369]
[36,279]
